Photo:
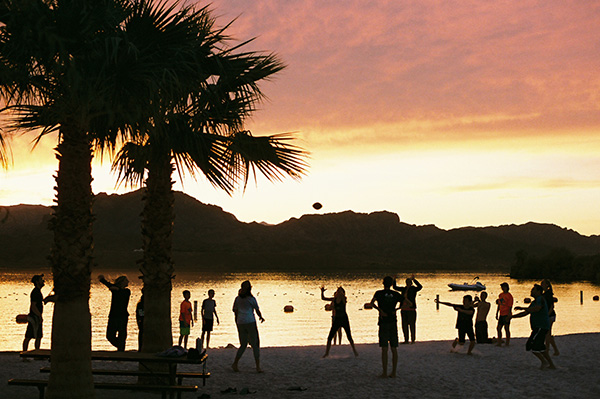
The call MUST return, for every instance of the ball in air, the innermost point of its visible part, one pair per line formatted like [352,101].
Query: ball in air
[317,205]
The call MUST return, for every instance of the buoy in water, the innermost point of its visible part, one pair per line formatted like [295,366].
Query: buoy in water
[596,298]
[288,308]
[527,300]
[368,305]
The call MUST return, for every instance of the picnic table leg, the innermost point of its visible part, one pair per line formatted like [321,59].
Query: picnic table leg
[173,377]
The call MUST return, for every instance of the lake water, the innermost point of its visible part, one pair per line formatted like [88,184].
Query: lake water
[309,323]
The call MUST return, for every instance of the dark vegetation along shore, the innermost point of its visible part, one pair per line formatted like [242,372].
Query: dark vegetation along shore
[206,237]
[561,264]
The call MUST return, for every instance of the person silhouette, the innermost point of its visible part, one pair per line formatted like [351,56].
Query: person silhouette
[244,306]
[116,330]
[340,318]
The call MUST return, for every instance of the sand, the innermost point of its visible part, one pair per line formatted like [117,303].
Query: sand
[427,370]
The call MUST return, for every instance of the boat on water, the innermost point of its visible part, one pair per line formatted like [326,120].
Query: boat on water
[472,286]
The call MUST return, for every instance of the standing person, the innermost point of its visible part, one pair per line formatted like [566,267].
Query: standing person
[540,326]
[385,302]
[209,313]
[185,319]
[139,318]
[36,308]
[464,322]
[481,325]
[503,312]
[244,307]
[550,299]
[340,318]
[116,330]
[408,311]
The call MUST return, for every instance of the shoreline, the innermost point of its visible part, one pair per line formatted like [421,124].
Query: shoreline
[426,369]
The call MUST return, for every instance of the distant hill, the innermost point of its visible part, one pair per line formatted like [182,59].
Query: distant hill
[207,237]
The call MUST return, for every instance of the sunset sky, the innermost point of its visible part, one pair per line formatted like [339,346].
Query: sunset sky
[453,113]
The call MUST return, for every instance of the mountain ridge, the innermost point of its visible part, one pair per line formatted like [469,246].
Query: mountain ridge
[207,237]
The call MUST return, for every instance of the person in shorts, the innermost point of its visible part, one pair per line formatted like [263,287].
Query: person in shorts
[503,312]
[540,325]
[385,302]
[464,322]
[209,314]
[36,308]
[185,319]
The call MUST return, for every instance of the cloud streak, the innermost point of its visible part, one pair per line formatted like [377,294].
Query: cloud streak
[528,184]
[357,63]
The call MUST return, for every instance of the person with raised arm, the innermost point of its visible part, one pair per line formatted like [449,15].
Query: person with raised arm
[408,311]
[116,330]
[340,318]
[481,325]
[464,322]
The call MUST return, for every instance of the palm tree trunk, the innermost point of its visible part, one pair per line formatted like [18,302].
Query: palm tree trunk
[71,259]
[157,266]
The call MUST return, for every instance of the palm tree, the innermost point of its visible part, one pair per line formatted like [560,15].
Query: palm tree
[71,67]
[202,131]
[48,50]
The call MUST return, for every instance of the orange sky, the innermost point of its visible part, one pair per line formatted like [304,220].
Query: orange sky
[447,113]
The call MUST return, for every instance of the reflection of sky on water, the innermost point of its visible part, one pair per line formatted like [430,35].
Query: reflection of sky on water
[309,323]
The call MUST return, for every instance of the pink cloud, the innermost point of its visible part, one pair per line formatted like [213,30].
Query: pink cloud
[357,63]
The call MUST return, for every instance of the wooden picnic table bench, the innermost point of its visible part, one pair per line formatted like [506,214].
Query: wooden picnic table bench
[164,389]
[144,373]
[175,379]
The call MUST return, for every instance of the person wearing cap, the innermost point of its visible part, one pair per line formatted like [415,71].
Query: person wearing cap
[36,308]
[116,330]
[503,313]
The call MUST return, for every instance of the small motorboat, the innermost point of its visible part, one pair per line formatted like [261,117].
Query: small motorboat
[472,286]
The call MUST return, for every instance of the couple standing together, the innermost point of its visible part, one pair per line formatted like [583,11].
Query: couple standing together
[385,302]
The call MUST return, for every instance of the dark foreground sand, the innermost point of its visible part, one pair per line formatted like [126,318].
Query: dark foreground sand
[427,370]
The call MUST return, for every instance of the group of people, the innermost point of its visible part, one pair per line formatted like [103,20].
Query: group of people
[541,312]
[387,301]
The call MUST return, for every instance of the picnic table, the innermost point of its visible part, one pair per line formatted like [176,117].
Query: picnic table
[175,378]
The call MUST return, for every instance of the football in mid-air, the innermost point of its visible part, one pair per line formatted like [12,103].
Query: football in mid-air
[317,205]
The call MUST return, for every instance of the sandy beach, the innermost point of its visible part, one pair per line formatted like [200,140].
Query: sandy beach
[427,370]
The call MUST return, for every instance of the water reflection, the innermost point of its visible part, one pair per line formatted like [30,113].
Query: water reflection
[309,323]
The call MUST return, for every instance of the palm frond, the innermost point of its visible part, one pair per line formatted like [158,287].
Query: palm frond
[131,164]
[272,156]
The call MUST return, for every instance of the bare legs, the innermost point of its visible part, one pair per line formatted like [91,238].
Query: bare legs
[248,334]
[207,339]
[184,339]
[335,327]
[471,345]
[545,359]
[384,362]
[37,343]
[550,342]
[499,330]
[338,337]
